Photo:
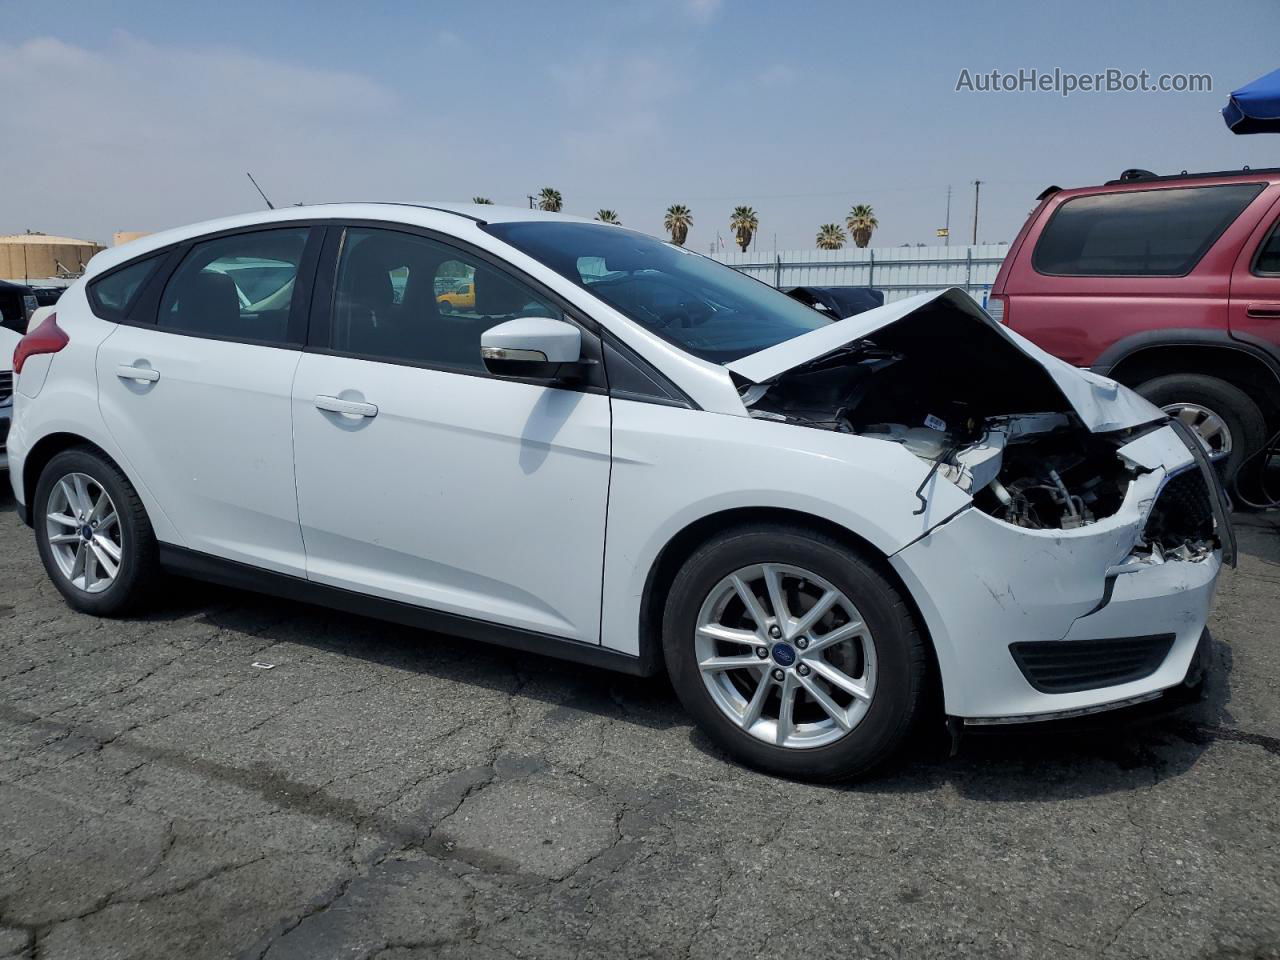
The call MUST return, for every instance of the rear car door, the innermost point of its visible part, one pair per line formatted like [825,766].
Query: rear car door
[195,388]
[423,479]
[1255,285]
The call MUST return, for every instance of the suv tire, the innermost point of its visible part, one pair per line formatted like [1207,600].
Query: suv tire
[888,657]
[1239,415]
[93,534]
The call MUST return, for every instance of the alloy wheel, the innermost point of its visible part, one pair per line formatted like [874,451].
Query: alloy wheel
[785,655]
[1211,430]
[83,529]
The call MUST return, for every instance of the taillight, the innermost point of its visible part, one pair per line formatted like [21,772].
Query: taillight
[998,308]
[46,338]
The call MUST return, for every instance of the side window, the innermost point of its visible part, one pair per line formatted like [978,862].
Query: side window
[238,287]
[1144,233]
[407,298]
[1267,263]
[113,295]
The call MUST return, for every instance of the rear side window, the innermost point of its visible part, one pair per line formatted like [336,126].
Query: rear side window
[236,288]
[1268,262]
[112,296]
[1148,233]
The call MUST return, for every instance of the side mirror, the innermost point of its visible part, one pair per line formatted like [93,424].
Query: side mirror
[536,347]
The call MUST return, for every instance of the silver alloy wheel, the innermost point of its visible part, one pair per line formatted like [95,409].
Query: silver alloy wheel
[1211,429]
[785,655]
[84,532]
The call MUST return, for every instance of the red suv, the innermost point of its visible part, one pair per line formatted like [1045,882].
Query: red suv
[1170,285]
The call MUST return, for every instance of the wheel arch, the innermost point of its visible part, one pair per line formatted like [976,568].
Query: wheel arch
[1251,368]
[680,547]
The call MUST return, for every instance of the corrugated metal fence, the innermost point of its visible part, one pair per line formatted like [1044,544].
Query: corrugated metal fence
[898,271]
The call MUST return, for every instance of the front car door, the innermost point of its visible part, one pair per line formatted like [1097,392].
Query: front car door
[423,479]
[1255,285]
[195,389]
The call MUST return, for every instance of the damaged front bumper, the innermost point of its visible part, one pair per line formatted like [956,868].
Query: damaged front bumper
[1031,622]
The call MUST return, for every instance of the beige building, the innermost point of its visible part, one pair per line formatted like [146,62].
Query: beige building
[127,236]
[31,256]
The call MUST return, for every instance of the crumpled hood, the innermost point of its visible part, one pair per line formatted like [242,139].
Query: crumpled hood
[1102,404]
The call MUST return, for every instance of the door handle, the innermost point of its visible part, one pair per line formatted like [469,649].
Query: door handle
[1263,310]
[142,374]
[348,408]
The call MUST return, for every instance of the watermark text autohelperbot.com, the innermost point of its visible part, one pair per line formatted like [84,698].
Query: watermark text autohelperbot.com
[1065,83]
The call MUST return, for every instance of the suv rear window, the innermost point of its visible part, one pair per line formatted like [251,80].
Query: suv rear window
[1144,233]
[113,295]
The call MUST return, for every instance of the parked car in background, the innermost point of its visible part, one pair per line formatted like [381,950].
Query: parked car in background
[17,305]
[1168,284]
[462,297]
[627,455]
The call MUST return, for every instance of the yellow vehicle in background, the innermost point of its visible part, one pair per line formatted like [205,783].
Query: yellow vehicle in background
[461,298]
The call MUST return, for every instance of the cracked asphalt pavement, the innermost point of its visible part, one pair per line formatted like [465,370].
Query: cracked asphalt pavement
[380,792]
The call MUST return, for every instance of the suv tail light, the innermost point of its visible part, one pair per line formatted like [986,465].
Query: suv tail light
[46,338]
[998,308]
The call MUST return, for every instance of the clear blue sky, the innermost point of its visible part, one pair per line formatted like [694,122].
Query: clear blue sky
[142,115]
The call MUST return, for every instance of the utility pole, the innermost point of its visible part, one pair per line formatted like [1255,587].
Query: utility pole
[977,184]
[947,225]
[530,196]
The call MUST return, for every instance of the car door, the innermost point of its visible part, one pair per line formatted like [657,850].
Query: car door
[1255,285]
[196,391]
[423,479]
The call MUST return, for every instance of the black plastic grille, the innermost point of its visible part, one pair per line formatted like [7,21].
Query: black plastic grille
[1065,666]
[6,385]
[1183,510]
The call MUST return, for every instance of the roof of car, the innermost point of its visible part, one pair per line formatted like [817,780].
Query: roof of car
[1144,180]
[469,214]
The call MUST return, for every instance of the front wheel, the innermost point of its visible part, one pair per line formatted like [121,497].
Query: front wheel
[93,534]
[1223,417]
[793,653]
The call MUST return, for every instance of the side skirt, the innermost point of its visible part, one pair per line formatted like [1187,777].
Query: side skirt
[229,573]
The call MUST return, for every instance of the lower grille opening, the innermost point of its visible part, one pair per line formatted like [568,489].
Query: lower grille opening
[1065,666]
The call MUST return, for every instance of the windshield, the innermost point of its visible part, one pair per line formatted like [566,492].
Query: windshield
[701,306]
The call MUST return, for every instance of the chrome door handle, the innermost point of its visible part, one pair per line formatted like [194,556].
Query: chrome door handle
[142,374]
[349,408]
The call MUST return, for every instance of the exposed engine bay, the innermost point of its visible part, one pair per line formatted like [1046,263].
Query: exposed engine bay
[986,417]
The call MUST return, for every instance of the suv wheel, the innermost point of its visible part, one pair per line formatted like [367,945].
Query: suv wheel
[93,534]
[794,654]
[1223,416]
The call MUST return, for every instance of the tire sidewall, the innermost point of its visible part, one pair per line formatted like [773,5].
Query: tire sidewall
[123,589]
[898,671]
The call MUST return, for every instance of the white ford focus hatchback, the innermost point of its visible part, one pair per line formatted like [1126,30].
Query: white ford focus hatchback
[577,440]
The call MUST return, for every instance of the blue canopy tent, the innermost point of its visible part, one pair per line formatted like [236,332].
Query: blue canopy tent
[1255,107]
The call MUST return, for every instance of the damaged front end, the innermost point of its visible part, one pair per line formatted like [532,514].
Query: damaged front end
[1034,442]
[1079,574]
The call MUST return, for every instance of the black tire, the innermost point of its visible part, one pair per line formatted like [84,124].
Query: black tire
[1237,410]
[903,661]
[139,567]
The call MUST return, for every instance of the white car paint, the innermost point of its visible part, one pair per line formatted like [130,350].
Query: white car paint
[533,507]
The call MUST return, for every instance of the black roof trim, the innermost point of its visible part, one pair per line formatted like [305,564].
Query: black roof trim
[1146,176]
[1049,191]
[402,203]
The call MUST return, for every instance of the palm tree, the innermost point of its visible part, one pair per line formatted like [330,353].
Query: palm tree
[608,216]
[861,221]
[744,223]
[481,200]
[677,222]
[549,199]
[831,236]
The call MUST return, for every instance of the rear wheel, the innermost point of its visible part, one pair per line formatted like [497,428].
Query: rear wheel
[793,653]
[1227,421]
[93,534]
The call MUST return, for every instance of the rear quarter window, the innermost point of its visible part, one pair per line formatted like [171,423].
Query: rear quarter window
[1144,233]
[112,295]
